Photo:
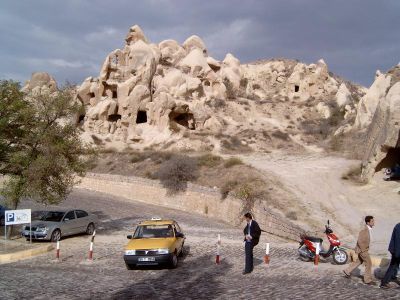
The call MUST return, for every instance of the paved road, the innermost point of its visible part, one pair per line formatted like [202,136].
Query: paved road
[197,277]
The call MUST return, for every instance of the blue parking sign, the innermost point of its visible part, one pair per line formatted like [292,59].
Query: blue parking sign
[10,217]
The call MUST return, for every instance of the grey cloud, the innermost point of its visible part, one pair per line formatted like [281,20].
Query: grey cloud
[70,39]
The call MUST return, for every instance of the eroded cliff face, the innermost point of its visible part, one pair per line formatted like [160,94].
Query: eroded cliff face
[148,94]
[145,92]
[383,142]
[171,95]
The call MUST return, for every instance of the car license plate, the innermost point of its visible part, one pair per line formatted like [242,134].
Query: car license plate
[147,259]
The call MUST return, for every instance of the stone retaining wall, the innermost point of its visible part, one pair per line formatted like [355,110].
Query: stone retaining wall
[198,199]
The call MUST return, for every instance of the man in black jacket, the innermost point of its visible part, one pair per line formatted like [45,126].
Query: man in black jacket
[394,249]
[252,234]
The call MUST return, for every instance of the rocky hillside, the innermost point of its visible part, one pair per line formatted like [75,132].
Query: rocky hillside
[176,96]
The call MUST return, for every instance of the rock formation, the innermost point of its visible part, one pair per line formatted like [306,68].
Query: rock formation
[147,93]
[368,104]
[40,83]
[291,79]
[147,86]
[382,101]
[171,95]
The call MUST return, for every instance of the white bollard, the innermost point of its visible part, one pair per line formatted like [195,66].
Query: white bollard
[91,246]
[217,257]
[317,250]
[266,257]
[58,250]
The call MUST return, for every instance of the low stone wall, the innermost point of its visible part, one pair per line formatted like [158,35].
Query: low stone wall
[202,200]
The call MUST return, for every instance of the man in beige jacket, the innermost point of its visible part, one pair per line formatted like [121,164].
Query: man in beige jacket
[362,247]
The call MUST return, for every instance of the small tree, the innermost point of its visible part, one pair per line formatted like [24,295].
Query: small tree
[176,172]
[40,149]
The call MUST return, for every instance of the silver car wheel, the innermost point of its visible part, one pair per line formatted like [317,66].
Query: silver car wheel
[56,235]
[90,229]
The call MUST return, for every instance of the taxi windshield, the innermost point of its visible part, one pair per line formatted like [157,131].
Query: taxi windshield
[153,231]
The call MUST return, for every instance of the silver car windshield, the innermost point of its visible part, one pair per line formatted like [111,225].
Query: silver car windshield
[153,231]
[53,216]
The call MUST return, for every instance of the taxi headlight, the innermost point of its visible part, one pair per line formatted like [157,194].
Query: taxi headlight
[130,252]
[163,251]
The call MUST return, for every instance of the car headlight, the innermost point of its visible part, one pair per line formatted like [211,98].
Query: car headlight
[130,252]
[163,251]
[42,229]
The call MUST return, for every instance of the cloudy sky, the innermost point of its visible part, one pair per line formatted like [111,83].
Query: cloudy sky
[71,38]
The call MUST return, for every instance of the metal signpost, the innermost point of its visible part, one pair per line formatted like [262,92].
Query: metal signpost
[19,216]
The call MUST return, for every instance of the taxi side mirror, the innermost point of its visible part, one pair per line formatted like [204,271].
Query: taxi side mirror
[179,235]
[129,236]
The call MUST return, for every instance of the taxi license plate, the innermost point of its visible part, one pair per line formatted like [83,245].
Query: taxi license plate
[147,259]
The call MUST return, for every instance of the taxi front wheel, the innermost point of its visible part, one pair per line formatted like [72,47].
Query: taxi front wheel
[174,261]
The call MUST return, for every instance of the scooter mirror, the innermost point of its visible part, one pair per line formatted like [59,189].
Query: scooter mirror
[328,222]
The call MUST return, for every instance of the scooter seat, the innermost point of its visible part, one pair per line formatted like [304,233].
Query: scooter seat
[314,239]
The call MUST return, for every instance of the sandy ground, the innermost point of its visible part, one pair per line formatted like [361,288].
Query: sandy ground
[316,181]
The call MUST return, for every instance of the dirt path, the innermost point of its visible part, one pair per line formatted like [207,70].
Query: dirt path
[316,181]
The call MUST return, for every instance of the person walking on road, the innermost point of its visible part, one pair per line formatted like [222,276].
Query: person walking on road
[394,249]
[252,234]
[362,247]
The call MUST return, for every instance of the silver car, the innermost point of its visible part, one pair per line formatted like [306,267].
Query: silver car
[59,223]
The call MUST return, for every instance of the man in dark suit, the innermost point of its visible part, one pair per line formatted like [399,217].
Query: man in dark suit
[252,234]
[394,249]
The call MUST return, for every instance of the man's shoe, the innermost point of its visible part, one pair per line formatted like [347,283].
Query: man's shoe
[385,286]
[246,272]
[373,283]
[346,275]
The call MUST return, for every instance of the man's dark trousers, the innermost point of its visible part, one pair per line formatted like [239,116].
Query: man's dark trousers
[392,271]
[248,248]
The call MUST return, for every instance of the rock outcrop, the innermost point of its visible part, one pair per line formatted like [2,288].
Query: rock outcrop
[40,83]
[177,95]
[383,142]
[368,104]
[164,86]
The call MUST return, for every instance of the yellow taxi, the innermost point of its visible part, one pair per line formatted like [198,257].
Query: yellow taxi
[154,242]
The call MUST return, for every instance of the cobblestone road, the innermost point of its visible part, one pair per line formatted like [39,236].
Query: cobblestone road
[197,277]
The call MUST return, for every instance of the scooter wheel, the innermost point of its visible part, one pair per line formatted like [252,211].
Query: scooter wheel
[340,257]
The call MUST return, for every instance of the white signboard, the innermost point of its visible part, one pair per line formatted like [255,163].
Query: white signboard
[19,216]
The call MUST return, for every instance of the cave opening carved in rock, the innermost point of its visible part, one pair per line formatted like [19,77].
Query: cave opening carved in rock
[391,159]
[185,119]
[114,118]
[80,119]
[296,88]
[141,117]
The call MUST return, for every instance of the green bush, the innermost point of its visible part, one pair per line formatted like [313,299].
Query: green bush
[209,160]
[233,161]
[248,193]
[136,157]
[292,215]
[280,135]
